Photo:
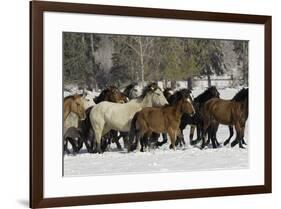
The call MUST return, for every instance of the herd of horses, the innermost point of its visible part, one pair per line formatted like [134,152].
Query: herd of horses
[140,117]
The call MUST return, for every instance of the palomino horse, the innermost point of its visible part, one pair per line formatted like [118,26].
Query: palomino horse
[71,118]
[228,112]
[74,104]
[74,127]
[106,116]
[160,120]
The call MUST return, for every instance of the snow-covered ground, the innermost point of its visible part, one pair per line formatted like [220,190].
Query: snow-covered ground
[189,158]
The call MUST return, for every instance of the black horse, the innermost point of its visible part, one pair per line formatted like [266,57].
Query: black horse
[197,119]
[130,91]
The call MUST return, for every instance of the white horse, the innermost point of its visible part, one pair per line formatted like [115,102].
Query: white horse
[107,116]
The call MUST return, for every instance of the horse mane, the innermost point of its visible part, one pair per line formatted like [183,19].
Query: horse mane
[101,96]
[178,95]
[241,95]
[112,87]
[128,89]
[72,96]
[149,88]
[166,90]
[205,96]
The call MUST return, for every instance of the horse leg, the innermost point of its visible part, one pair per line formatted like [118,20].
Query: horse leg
[181,136]
[206,125]
[199,129]
[165,139]
[192,129]
[180,139]
[89,141]
[124,135]
[238,136]
[139,139]
[191,133]
[215,142]
[117,141]
[242,137]
[79,144]
[214,135]
[98,141]
[230,136]
[73,144]
[243,131]
[172,135]
[65,142]
[209,133]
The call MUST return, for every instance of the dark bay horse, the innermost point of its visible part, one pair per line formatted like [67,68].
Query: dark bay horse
[164,119]
[111,94]
[232,112]
[197,120]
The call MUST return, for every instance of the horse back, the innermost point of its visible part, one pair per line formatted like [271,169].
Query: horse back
[221,110]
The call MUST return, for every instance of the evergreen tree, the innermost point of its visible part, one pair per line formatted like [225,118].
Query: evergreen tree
[241,50]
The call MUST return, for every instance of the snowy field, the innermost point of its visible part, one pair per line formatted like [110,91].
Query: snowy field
[188,158]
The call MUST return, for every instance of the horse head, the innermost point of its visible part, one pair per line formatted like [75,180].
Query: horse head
[115,95]
[214,91]
[132,91]
[242,95]
[77,106]
[154,96]
[88,99]
[168,92]
[186,106]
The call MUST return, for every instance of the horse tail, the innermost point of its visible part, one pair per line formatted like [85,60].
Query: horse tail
[132,134]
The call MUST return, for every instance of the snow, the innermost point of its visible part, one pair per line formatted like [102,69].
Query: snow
[188,158]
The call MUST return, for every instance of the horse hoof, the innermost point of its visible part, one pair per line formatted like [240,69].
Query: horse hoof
[233,144]
[194,142]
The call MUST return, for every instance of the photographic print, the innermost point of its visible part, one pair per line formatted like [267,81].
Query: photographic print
[151,104]
[160,104]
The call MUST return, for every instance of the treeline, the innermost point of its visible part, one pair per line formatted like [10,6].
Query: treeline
[141,58]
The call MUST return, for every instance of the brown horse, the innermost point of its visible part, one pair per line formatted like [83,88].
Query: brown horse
[111,94]
[74,104]
[164,119]
[232,112]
